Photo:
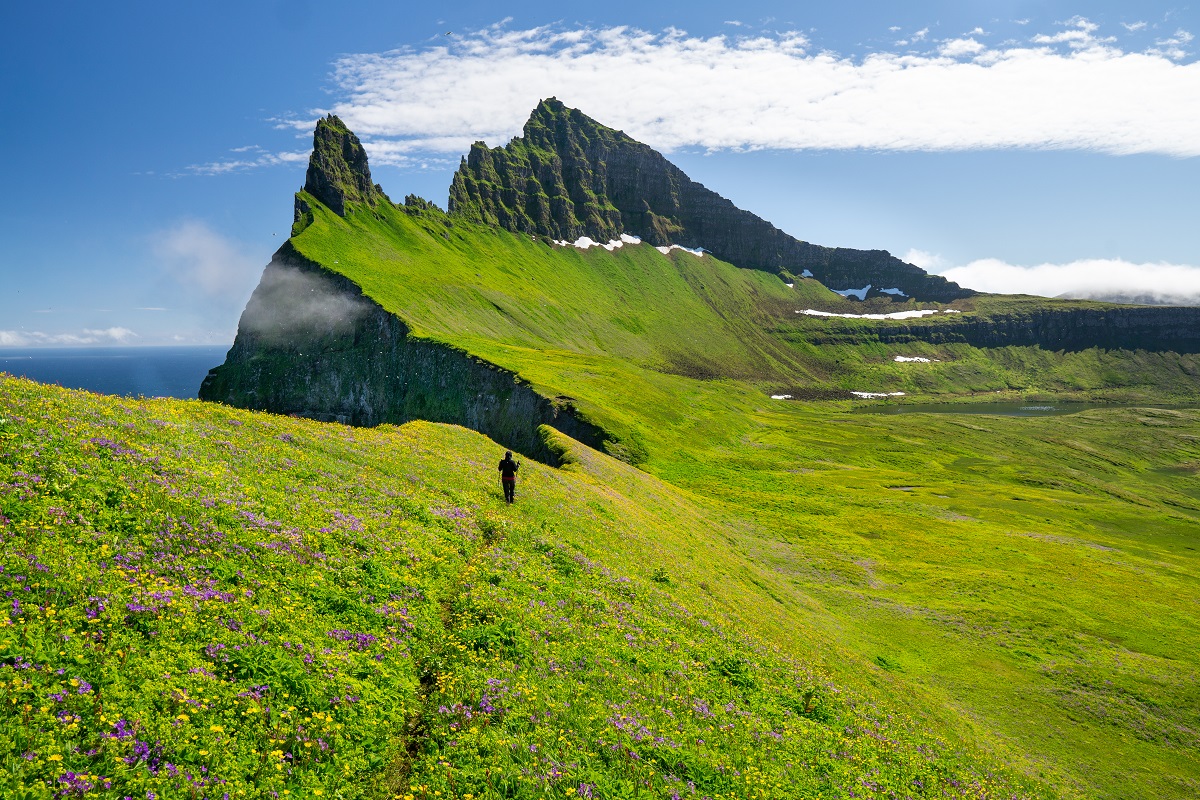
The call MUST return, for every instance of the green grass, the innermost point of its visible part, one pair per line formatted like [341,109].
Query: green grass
[1035,578]
[787,599]
[207,601]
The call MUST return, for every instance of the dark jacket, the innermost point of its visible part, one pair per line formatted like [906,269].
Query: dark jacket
[508,468]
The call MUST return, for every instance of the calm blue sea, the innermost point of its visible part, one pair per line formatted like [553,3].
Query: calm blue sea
[129,371]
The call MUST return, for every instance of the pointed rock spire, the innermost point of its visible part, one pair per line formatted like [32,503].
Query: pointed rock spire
[337,169]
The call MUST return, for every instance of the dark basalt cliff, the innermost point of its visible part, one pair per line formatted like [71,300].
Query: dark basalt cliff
[1155,328]
[569,176]
[310,344]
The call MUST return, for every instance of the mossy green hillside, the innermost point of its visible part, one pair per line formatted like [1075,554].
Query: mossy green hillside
[1032,575]
[452,279]
[621,332]
[205,602]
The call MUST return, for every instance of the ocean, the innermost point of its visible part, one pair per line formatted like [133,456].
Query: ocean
[128,371]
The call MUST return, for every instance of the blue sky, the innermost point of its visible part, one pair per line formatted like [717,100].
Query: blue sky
[152,148]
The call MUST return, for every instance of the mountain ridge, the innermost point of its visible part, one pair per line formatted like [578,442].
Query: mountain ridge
[569,176]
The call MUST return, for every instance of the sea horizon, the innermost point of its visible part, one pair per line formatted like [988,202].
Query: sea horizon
[122,370]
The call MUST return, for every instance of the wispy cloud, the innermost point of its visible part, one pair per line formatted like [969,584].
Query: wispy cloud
[114,335]
[203,260]
[1099,278]
[249,157]
[1069,88]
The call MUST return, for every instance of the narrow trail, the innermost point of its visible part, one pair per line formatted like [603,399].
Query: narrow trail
[415,731]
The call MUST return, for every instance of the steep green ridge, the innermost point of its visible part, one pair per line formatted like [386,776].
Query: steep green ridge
[210,602]
[569,176]
[1031,579]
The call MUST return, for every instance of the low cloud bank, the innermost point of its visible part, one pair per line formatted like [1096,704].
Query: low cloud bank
[87,336]
[1110,279]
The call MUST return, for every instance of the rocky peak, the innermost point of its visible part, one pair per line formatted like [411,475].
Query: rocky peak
[337,169]
[568,176]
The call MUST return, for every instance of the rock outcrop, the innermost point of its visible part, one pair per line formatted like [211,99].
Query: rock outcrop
[568,176]
[309,343]
[1155,328]
[337,169]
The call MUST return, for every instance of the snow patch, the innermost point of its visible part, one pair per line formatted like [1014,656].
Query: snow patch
[893,291]
[914,314]
[916,359]
[861,294]
[806,274]
[696,251]
[790,285]
[781,397]
[584,242]
[876,395]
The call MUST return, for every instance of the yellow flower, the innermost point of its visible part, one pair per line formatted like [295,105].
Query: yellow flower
[55,757]
[217,729]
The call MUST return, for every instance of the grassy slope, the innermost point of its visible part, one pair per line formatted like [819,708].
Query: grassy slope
[209,601]
[1036,574]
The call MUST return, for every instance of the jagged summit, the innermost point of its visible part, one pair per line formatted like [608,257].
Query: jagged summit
[568,176]
[337,169]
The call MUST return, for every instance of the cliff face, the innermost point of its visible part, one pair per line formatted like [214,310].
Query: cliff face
[1158,328]
[569,176]
[309,343]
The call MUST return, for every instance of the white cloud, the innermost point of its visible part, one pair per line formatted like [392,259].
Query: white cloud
[1067,90]
[252,157]
[1172,47]
[1102,279]
[957,48]
[1080,32]
[930,262]
[202,259]
[114,335]
[1133,26]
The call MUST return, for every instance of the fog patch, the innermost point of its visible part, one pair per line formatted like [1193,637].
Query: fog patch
[292,305]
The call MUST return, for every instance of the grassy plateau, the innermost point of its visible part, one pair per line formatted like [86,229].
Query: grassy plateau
[784,598]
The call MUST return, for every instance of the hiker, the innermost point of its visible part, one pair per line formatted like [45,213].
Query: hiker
[508,475]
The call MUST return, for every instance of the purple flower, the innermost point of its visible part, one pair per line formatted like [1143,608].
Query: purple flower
[84,687]
[121,730]
[360,641]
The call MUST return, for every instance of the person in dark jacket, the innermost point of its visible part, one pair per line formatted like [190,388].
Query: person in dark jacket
[508,475]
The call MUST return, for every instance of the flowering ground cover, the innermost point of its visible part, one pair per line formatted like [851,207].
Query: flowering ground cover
[209,603]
